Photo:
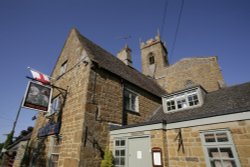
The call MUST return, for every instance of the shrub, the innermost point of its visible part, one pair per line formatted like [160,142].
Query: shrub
[108,159]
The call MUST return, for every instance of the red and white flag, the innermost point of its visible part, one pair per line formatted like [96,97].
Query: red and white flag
[40,76]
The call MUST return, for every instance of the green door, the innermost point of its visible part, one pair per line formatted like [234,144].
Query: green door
[139,152]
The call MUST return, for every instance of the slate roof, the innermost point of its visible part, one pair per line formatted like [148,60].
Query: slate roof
[224,101]
[112,64]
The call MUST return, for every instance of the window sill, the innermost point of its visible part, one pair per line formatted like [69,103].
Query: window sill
[133,112]
[185,108]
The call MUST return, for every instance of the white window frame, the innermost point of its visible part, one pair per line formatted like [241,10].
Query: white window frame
[182,100]
[136,101]
[180,97]
[218,145]
[51,153]
[119,148]
[55,105]
[54,109]
[172,107]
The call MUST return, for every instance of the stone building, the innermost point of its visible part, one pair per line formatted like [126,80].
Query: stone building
[101,102]
[192,128]
[15,153]
[203,71]
[102,90]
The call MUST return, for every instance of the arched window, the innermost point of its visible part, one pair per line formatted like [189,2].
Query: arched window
[151,58]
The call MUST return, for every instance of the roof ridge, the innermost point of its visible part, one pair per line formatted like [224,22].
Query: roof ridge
[230,87]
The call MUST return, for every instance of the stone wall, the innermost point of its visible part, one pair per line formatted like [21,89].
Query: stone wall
[190,154]
[196,71]
[39,153]
[193,154]
[203,71]
[159,139]
[104,107]
[153,47]
[20,153]
[94,101]
[75,81]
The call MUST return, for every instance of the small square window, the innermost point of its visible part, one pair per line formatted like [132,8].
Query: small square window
[209,138]
[193,99]
[221,137]
[171,105]
[181,103]
[122,142]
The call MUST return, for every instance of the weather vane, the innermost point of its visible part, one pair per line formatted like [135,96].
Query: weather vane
[125,37]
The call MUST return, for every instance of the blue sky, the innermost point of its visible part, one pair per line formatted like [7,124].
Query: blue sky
[32,33]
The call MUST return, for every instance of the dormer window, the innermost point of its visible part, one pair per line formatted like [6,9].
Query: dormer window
[186,99]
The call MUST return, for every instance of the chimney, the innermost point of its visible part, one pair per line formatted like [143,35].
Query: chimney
[125,56]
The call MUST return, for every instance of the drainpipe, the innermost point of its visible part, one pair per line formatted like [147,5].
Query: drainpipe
[124,113]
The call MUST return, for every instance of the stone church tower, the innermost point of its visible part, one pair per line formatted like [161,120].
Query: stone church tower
[154,57]
[184,73]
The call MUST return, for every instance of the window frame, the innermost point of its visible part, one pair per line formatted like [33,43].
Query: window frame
[135,101]
[171,106]
[51,153]
[119,148]
[219,145]
[59,103]
[182,99]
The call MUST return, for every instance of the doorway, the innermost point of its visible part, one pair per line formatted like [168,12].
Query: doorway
[139,152]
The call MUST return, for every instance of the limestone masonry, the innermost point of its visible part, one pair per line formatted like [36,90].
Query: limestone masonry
[110,105]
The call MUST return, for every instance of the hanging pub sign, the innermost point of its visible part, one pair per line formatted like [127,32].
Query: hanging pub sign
[49,129]
[37,96]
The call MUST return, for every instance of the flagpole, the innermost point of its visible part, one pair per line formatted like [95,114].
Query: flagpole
[11,133]
[17,116]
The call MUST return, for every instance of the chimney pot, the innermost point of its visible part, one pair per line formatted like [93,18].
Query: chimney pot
[125,56]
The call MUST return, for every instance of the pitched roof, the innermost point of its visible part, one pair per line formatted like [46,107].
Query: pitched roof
[24,138]
[224,101]
[112,64]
